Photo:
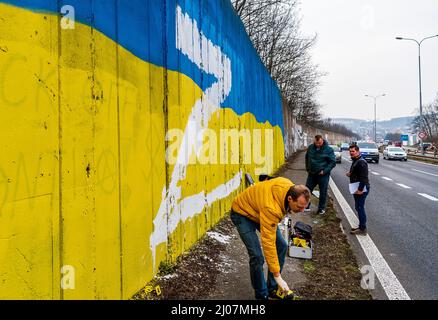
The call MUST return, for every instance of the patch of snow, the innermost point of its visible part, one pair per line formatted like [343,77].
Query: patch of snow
[169,276]
[219,237]
[225,265]
[207,258]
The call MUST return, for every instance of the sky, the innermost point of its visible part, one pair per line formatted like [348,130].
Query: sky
[357,49]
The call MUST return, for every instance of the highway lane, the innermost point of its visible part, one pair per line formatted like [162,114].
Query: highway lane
[402,223]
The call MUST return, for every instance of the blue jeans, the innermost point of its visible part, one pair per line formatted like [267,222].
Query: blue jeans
[359,204]
[247,231]
[314,180]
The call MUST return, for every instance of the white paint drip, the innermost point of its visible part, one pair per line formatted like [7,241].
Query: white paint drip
[393,288]
[209,58]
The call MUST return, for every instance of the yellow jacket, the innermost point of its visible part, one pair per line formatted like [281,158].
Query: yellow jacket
[263,203]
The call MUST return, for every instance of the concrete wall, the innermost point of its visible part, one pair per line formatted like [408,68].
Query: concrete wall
[298,136]
[114,150]
[100,122]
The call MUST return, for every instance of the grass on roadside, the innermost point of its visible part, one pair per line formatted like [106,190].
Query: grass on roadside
[333,271]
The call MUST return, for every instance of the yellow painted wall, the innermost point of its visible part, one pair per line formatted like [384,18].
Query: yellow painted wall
[82,160]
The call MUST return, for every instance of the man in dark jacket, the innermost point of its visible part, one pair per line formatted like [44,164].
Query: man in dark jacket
[320,160]
[359,173]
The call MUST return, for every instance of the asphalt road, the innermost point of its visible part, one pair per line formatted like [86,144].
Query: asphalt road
[402,223]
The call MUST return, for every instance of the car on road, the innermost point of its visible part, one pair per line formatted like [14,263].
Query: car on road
[395,153]
[369,151]
[344,146]
[338,152]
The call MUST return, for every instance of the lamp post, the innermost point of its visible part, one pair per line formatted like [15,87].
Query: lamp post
[419,70]
[375,121]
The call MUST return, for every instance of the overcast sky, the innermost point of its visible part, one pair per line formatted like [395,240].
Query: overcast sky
[357,48]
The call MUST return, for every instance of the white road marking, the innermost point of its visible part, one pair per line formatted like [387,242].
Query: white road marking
[346,159]
[386,178]
[421,162]
[375,173]
[431,174]
[428,196]
[393,288]
[403,186]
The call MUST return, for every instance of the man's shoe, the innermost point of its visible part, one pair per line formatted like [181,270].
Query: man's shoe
[359,232]
[307,209]
[279,295]
[321,211]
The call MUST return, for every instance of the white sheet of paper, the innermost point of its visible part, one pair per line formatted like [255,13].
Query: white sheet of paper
[355,186]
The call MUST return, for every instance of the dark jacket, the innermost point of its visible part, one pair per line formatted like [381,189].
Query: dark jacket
[318,159]
[359,173]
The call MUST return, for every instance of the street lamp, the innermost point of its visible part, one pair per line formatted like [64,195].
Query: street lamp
[419,69]
[375,121]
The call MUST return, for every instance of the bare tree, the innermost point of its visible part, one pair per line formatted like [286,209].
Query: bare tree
[330,125]
[274,29]
[429,121]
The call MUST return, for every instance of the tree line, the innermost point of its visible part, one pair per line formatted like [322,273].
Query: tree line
[428,123]
[274,29]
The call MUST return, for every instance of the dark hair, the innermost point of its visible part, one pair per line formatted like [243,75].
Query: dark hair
[354,146]
[318,137]
[295,192]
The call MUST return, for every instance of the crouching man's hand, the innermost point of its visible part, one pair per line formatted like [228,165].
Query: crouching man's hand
[281,283]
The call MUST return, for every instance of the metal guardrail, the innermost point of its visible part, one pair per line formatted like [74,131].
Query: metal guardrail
[425,158]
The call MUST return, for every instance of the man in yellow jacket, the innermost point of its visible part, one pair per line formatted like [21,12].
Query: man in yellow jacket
[261,207]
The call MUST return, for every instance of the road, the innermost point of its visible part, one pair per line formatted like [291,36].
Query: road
[402,211]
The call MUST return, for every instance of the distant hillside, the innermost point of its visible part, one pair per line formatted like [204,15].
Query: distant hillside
[366,128]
